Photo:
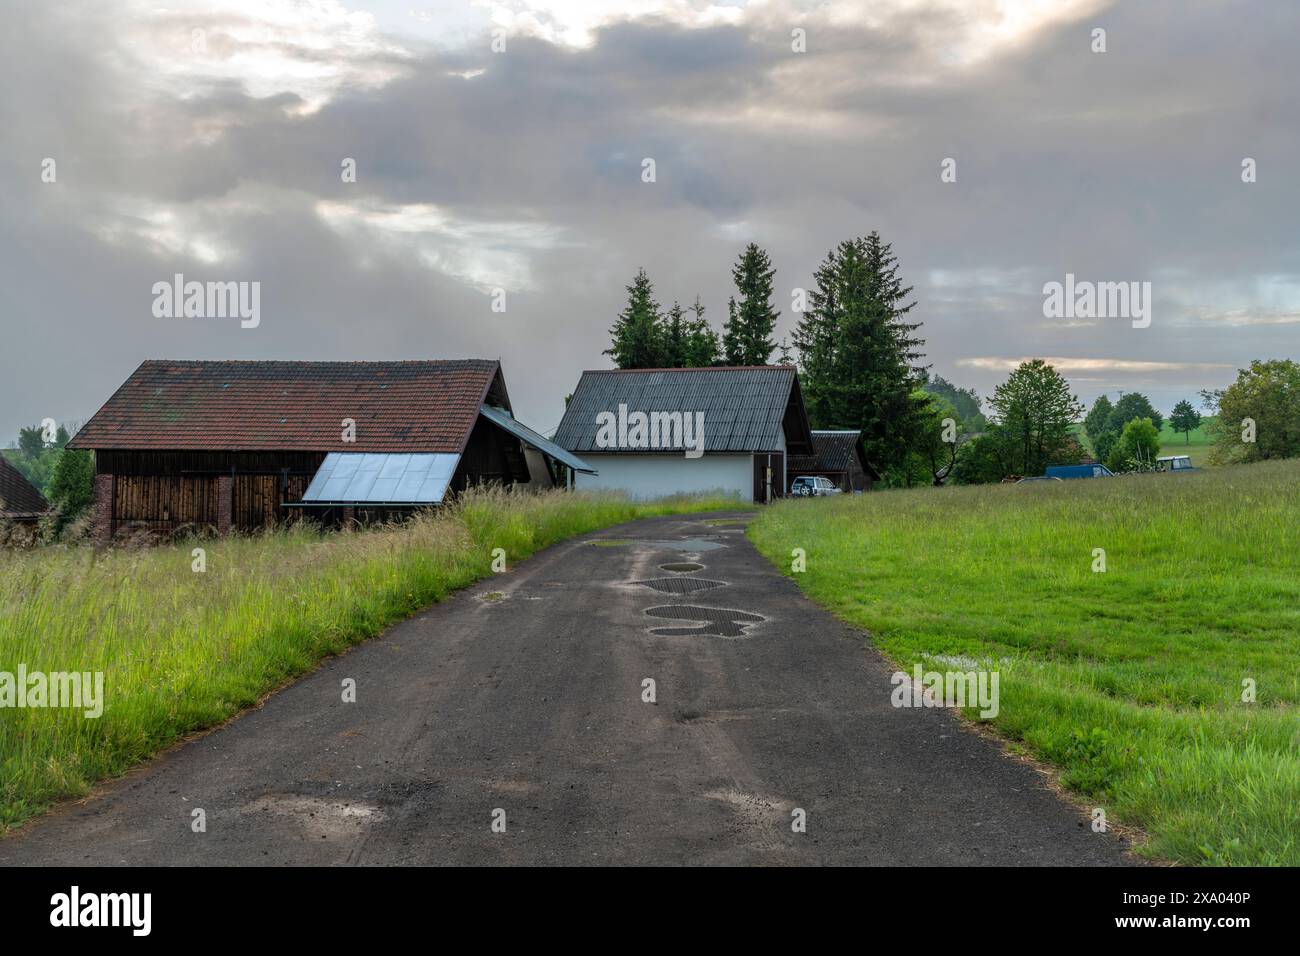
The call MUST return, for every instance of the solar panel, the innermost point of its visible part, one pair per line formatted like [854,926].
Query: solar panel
[359,478]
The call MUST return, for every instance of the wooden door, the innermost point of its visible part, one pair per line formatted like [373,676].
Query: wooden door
[769,469]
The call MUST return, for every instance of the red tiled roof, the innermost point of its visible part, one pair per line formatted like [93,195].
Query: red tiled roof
[18,499]
[300,406]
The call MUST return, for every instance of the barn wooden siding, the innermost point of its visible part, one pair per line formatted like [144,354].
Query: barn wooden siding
[258,500]
[490,456]
[164,504]
[176,492]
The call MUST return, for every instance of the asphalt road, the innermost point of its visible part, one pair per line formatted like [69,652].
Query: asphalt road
[524,695]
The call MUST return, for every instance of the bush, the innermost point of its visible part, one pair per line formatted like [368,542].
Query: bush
[1137,448]
[72,486]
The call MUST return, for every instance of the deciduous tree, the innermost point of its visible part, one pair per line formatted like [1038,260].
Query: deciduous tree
[1268,395]
[1185,419]
[1035,411]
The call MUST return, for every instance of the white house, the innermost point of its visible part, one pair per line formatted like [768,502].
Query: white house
[657,432]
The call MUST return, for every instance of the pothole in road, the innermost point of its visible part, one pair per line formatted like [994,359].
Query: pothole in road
[718,621]
[317,817]
[695,545]
[681,585]
[682,567]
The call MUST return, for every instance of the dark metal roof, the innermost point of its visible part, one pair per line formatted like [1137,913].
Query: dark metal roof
[504,419]
[832,452]
[745,407]
[18,498]
[422,406]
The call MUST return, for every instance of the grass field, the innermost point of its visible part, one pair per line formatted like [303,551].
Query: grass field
[1129,681]
[182,650]
[1195,443]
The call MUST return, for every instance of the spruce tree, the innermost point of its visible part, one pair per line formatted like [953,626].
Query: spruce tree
[638,335]
[702,347]
[733,350]
[675,333]
[747,336]
[815,338]
[859,354]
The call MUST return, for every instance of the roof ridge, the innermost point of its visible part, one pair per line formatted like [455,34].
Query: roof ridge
[317,362]
[694,368]
[293,405]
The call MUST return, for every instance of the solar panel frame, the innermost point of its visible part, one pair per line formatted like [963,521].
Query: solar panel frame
[370,478]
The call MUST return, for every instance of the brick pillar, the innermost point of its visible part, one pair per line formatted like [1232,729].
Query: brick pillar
[225,503]
[102,529]
[349,517]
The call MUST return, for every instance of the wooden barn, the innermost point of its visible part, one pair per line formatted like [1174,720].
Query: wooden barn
[837,455]
[20,502]
[236,446]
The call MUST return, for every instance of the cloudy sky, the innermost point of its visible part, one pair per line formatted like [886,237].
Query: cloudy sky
[208,138]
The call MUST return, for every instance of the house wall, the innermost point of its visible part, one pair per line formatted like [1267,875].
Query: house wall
[782,477]
[648,476]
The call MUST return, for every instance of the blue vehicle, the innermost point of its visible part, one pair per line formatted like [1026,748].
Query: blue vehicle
[1078,471]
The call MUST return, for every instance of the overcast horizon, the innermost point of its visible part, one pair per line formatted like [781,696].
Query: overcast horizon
[211,140]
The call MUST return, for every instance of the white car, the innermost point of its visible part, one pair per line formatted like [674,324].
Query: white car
[810,486]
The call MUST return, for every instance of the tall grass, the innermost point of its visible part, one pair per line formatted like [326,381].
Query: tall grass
[1130,681]
[182,650]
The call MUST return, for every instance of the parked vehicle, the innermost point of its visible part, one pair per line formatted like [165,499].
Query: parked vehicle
[1175,463]
[1078,471]
[1038,478]
[811,486]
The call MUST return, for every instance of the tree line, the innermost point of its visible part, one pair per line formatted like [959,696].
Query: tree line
[858,355]
[861,367]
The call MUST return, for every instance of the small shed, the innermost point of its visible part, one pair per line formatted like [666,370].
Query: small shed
[839,456]
[652,433]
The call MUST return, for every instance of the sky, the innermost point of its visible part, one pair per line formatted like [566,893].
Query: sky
[500,147]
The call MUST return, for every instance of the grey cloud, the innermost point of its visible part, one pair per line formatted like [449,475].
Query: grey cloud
[1113,166]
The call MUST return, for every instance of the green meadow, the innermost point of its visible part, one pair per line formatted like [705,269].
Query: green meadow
[182,650]
[1196,443]
[1135,682]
